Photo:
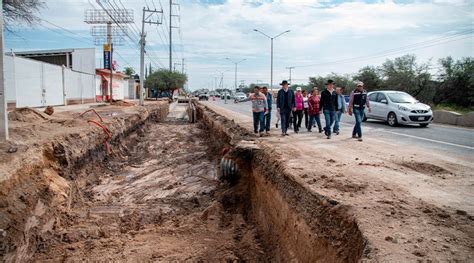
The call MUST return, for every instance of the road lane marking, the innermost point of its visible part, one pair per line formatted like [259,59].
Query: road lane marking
[417,137]
[430,140]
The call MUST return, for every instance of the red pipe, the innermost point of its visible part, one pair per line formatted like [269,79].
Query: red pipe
[106,131]
[101,120]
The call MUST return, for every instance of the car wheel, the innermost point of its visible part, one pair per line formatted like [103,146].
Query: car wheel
[424,125]
[392,119]
[364,119]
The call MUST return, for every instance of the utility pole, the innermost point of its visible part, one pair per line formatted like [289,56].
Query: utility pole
[221,84]
[3,96]
[171,32]
[182,66]
[146,19]
[235,75]
[290,68]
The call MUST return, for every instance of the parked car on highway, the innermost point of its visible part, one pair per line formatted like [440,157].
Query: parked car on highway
[223,95]
[397,107]
[240,97]
[203,96]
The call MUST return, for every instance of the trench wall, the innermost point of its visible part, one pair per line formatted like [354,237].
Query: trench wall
[296,224]
[34,197]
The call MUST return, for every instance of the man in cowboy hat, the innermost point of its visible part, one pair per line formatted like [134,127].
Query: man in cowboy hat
[329,105]
[285,105]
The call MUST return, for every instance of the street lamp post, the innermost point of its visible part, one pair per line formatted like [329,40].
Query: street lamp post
[236,63]
[222,84]
[290,68]
[271,63]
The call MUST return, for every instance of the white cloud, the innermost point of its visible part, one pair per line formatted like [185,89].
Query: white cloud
[320,31]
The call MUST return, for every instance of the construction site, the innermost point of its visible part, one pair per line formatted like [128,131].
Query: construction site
[184,182]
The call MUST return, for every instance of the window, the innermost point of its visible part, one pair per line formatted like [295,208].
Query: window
[381,97]
[373,96]
[401,97]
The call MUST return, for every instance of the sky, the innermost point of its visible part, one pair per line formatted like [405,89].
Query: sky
[325,35]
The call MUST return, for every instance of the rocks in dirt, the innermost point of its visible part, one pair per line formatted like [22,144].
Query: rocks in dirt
[49,110]
[391,239]
[419,253]
[444,215]
[331,161]
[12,149]
[461,212]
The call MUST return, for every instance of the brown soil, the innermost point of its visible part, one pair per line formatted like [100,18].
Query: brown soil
[37,179]
[406,210]
[426,168]
[26,115]
[155,199]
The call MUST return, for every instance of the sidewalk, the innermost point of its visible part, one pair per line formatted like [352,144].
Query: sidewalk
[397,194]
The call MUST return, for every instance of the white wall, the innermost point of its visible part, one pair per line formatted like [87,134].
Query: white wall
[83,60]
[131,89]
[118,89]
[52,88]
[9,72]
[29,82]
[79,86]
[32,83]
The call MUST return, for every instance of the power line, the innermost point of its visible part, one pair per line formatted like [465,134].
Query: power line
[411,47]
[132,39]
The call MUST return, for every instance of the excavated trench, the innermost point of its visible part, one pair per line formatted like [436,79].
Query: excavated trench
[160,196]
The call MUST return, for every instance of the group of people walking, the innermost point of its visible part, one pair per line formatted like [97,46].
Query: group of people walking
[293,106]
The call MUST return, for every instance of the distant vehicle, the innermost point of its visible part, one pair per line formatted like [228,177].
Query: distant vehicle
[223,95]
[203,96]
[240,97]
[397,107]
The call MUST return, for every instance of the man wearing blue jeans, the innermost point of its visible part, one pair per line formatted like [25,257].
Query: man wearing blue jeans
[285,105]
[341,108]
[259,109]
[357,103]
[329,105]
[268,117]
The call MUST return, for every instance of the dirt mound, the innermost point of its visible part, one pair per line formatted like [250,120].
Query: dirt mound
[425,168]
[27,115]
[122,103]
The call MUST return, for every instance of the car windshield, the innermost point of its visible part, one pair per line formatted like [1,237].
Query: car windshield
[401,97]
[240,94]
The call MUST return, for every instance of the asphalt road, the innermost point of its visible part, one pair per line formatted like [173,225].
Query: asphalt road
[449,139]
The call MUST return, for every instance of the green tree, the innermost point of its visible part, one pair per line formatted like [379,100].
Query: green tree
[165,80]
[129,71]
[317,81]
[344,81]
[456,82]
[370,76]
[404,74]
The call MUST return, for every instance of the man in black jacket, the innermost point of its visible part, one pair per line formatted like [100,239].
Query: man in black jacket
[329,106]
[285,104]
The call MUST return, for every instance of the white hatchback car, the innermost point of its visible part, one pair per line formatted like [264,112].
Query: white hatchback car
[398,107]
